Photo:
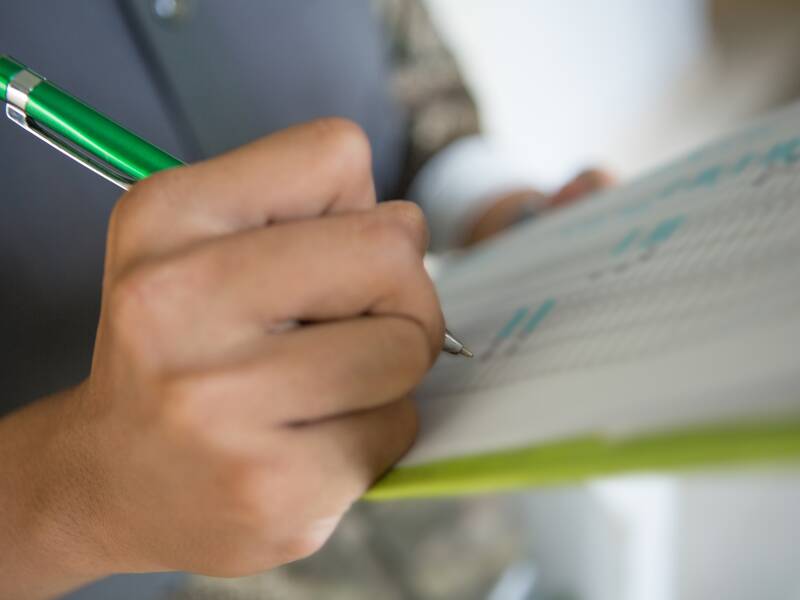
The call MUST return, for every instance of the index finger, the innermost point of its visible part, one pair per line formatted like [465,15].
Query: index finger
[305,171]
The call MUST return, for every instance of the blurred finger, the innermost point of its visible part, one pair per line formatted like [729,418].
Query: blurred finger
[584,184]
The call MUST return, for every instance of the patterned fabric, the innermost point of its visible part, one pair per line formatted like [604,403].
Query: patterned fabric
[411,550]
[426,81]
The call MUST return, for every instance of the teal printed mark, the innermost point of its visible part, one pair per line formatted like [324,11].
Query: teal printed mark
[744,162]
[538,316]
[663,231]
[783,153]
[750,135]
[631,210]
[515,320]
[591,223]
[786,152]
[625,242]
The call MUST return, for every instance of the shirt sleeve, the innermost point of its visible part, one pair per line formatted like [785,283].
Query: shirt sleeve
[458,183]
[426,83]
[451,171]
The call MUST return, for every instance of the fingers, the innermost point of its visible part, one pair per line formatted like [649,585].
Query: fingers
[211,300]
[357,449]
[304,171]
[502,214]
[339,460]
[324,269]
[582,185]
[314,373]
[350,366]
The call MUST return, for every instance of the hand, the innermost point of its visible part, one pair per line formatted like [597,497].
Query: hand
[209,437]
[508,210]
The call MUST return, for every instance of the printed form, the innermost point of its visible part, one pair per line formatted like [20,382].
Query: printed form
[670,302]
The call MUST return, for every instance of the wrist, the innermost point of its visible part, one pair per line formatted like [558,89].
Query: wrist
[51,514]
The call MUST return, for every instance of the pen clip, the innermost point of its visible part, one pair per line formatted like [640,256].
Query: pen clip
[95,165]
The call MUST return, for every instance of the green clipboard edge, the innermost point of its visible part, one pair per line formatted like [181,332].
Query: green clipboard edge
[578,459]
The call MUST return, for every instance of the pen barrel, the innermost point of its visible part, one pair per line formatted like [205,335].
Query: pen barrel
[8,68]
[99,136]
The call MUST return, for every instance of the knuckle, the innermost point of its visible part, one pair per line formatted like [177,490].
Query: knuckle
[136,288]
[152,189]
[345,140]
[410,215]
[259,491]
[393,240]
[196,401]
[248,489]
[136,211]
[302,546]
[261,496]
[139,201]
[132,304]
[139,295]
[182,404]
[344,134]
[154,293]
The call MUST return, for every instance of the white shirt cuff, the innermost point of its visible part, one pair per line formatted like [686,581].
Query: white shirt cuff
[458,183]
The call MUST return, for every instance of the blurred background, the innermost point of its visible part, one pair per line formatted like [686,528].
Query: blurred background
[561,85]
[624,83]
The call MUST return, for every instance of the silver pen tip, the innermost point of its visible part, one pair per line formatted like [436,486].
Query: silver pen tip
[452,346]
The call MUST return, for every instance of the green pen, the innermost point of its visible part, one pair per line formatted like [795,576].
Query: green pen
[94,141]
[78,131]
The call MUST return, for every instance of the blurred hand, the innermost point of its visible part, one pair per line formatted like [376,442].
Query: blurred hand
[209,437]
[510,209]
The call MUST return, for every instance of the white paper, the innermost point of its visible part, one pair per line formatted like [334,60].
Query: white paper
[672,301]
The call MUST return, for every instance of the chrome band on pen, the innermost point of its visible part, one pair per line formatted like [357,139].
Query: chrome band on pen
[20,87]
[18,96]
